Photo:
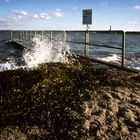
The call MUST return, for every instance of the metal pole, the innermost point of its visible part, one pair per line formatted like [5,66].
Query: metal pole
[123,48]
[26,35]
[65,38]
[51,34]
[42,33]
[30,35]
[110,28]
[86,42]
[35,33]
[23,34]
[20,35]
[87,27]
[11,35]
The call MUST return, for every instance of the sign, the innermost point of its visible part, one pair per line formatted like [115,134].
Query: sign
[87,16]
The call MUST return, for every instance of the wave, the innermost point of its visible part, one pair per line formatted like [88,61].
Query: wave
[111,58]
[45,51]
[8,66]
[41,50]
[130,62]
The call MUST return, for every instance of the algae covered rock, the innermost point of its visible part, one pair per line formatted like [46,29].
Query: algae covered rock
[50,97]
[79,100]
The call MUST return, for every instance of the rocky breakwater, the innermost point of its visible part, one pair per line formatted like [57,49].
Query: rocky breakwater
[81,100]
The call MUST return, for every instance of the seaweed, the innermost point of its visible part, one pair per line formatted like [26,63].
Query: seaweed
[64,101]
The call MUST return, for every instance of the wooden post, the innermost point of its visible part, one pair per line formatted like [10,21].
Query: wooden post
[123,48]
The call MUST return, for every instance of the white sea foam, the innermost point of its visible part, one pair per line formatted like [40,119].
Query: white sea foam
[43,51]
[131,62]
[8,66]
[113,58]
[134,63]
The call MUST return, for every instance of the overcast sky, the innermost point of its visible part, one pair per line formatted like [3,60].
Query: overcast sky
[67,14]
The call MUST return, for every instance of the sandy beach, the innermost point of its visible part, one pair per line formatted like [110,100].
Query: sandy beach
[81,100]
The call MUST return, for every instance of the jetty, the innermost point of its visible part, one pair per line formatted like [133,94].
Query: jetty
[23,40]
[87,99]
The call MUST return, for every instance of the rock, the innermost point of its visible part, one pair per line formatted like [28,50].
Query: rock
[80,100]
[10,133]
[124,130]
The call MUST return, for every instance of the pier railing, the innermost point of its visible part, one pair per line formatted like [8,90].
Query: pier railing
[83,42]
[88,41]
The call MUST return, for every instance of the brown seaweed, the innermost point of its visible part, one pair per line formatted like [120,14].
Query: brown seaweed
[81,100]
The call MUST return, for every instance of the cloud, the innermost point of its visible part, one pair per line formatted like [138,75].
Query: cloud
[133,22]
[10,21]
[19,15]
[137,7]
[75,8]
[57,13]
[39,16]
[54,14]
[7,0]
[105,3]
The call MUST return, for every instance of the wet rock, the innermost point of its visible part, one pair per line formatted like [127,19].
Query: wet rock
[124,130]
[80,100]
[12,133]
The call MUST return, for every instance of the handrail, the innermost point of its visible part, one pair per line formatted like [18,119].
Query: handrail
[92,44]
[26,34]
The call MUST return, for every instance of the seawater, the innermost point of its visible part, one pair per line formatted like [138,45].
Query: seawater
[114,39]
[40,49]
[50,46]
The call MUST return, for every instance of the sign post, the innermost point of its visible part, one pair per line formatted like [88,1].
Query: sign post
[87,20]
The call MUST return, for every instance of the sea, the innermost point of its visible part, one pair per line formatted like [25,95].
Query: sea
[54,46]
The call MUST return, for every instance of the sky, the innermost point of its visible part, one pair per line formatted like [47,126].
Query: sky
[67,14]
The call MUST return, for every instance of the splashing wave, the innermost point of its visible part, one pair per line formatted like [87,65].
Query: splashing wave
[41,50]
[44,51]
